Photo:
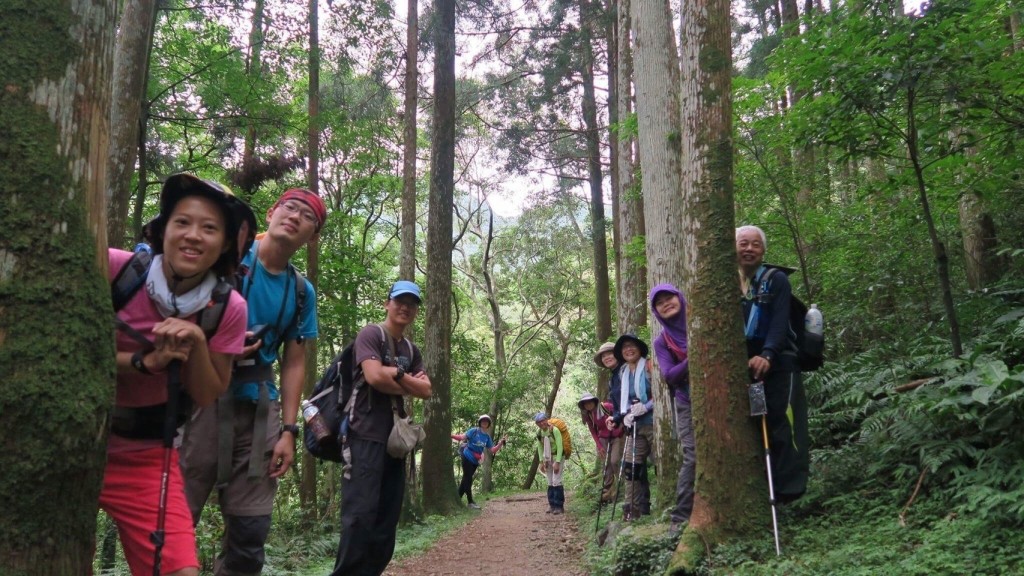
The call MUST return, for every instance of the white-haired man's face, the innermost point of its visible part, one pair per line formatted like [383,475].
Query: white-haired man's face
[749,249]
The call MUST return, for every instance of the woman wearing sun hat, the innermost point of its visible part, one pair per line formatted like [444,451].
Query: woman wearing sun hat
[197,239]
[476,440]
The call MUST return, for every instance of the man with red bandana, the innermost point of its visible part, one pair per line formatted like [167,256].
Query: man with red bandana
[246,441]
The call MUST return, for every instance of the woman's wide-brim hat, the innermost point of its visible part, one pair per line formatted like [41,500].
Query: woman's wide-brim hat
[587,398]
[629,338]
[240,219]
[606,347]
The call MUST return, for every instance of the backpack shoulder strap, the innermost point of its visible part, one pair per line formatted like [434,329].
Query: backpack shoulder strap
[766,279]
[209,318]
[130,278]
[301,299]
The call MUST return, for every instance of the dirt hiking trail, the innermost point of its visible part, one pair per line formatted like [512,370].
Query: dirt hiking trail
[511,536]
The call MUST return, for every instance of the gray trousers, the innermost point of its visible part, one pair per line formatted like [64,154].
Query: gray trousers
[688,470]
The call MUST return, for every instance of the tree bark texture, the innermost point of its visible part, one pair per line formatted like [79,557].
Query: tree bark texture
[732,492]
[612,32]
[656,75]
[56,338]
[598,231]
[439,494]
[632,277]
[131,67]
[307,487]
[407,263]
[254,70]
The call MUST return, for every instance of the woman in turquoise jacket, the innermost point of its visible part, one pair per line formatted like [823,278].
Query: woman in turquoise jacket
[476,440]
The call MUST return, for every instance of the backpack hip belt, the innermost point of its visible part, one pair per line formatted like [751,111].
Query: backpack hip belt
[252,373]
[142,422]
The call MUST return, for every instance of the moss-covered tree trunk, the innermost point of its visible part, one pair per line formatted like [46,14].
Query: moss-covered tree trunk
[731,493]
[56,336]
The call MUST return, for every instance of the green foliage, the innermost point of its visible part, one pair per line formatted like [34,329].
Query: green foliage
[951,422]
[859,538]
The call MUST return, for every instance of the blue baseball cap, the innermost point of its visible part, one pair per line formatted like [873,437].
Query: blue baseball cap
[540,417]
[404,287]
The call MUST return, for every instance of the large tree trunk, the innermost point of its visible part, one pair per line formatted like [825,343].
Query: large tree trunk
[657,102]
[599,235]
[632,276]
[732,494]
[439,494]
[56,386]
[407,262]
[131,68]
[612,33]
[307,488]
[982,263]
[407,257]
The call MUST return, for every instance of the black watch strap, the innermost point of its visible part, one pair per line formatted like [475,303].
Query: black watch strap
[399,374]
[293,428]
[139,364]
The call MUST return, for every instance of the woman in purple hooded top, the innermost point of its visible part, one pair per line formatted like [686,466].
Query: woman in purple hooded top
[669,306]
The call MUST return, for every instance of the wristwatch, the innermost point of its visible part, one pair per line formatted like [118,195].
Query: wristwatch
[293,428]
[139,364]
[399,374]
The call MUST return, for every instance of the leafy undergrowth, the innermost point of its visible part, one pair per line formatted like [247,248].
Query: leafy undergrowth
[856,537]
[864,537]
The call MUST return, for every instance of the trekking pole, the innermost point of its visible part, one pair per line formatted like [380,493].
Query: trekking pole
[600,494]
[618,484]
[632,476]
[170,428]
[759,407]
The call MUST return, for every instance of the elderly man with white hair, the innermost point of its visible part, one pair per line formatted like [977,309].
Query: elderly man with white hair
[772,358]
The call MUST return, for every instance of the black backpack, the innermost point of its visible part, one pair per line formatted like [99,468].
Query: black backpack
[334,395]
[809,357]
[331,395]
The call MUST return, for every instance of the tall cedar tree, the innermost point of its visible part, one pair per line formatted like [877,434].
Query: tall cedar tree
[439,494]
[656,72]
[732,495]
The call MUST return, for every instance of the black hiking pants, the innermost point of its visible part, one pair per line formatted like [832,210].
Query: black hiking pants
[371,504]
[466,486]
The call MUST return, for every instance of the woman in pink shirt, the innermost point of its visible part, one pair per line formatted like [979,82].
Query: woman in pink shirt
[196,242]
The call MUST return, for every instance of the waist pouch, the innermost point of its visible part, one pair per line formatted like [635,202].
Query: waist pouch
[146,422]
[246,380]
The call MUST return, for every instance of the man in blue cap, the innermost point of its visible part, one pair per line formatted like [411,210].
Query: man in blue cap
[372,493]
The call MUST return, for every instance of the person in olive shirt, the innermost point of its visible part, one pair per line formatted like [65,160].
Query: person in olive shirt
[388,367]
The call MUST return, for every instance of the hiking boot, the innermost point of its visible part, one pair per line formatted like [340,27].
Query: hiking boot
[549,510]
[557,511]
[474,505]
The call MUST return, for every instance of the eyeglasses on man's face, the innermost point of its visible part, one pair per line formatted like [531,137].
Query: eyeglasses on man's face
[306,214]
